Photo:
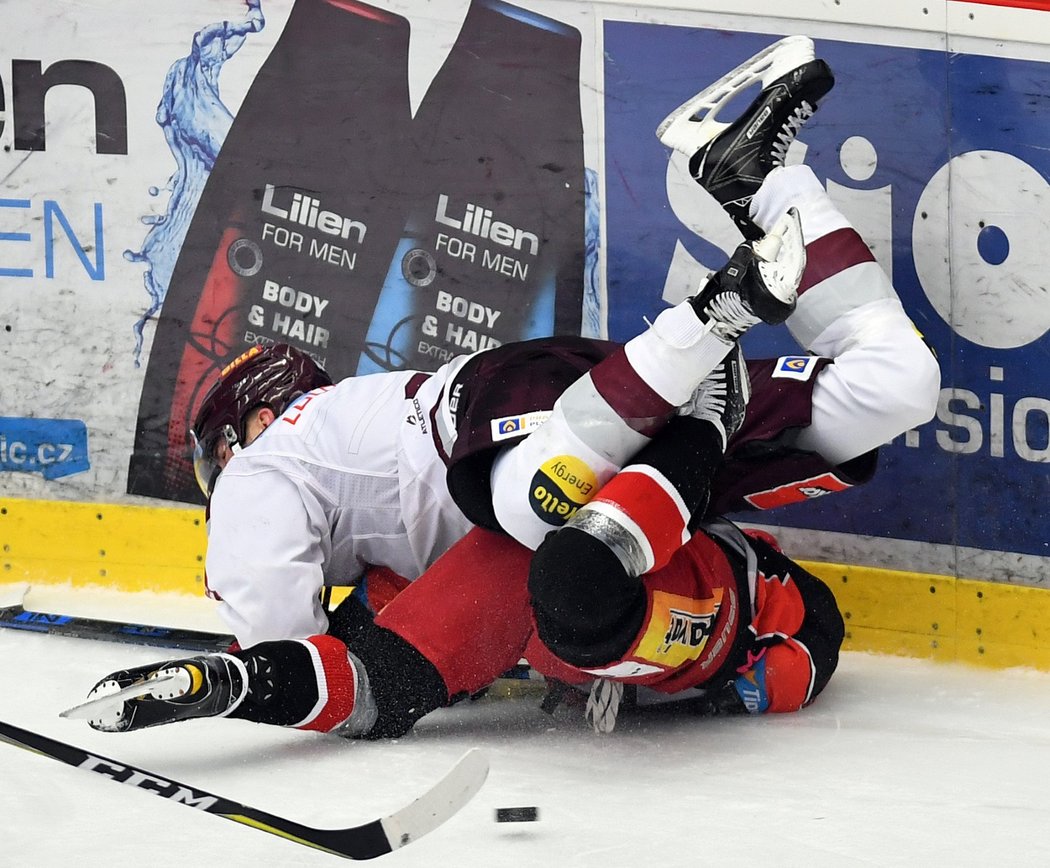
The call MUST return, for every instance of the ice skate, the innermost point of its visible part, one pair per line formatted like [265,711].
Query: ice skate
[722,398]
[758,284]
[211,685]
[731,160]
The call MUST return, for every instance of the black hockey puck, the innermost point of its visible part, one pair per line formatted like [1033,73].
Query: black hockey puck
[517,815]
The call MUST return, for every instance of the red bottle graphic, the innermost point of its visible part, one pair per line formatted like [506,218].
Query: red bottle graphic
[294,229]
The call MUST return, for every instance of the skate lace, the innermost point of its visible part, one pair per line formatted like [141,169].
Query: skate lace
[789,130]
[730,314]
[603,704]
[712,396]
[710,400]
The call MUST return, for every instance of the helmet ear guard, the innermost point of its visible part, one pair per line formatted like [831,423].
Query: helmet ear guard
[271,376]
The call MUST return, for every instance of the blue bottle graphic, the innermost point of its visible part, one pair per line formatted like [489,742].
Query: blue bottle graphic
[294,229]
[493,250]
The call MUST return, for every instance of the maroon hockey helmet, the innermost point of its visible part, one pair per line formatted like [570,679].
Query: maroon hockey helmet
[271,376]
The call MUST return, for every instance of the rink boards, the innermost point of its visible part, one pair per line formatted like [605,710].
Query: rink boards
[136,549]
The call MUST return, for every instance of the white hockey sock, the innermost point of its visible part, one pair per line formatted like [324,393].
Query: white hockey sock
[676,353]
[841,273]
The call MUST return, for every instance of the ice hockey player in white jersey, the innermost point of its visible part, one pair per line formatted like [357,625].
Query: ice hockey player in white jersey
[310,483]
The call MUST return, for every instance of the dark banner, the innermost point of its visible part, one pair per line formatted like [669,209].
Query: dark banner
[336,221]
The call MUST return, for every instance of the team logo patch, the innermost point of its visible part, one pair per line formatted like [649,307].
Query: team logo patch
[751,687]
[560,487]
[794,367]
[796,492]
[678,628]
[518,426]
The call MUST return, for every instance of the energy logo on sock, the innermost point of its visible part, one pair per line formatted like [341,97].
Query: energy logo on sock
[560,487]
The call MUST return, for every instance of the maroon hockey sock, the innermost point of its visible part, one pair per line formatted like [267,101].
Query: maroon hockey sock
[629,396]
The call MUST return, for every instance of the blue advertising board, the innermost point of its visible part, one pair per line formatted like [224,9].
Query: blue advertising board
[941,161]
[52,447]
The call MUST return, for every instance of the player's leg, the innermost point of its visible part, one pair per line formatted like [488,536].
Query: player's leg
[314,683]
[612,411]
[884,380]
[584,579]
[450,633]
[447,635]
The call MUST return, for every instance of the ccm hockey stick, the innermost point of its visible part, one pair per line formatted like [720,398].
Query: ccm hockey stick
[368,841]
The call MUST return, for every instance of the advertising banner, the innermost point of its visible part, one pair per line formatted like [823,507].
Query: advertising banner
[940,162]
[386,185]
[335,220]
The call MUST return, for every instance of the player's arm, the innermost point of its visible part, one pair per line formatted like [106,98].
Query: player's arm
[265,554]
[798,631]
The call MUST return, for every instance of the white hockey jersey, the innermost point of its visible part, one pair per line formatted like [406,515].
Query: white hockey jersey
[349,476]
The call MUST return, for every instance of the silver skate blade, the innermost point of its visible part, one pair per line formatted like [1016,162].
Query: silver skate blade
[687,130]
[88,710]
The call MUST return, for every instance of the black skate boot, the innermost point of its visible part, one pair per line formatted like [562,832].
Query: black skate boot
[758,284]
[722,398]
[732,160]
[211,685]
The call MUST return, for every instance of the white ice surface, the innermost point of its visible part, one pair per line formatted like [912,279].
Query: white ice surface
[900,762]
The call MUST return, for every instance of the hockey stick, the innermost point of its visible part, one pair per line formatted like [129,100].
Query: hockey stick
[19,618]
[368,841]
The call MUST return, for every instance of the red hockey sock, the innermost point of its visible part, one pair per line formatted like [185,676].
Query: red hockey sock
[336,681]
[302,683]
